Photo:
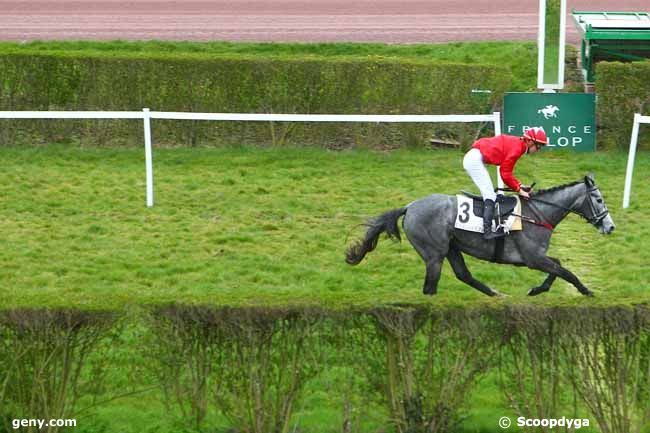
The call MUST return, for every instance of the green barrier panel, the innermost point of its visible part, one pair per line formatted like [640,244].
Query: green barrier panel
[569,119]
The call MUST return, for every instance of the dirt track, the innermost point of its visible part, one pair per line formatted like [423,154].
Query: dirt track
[394,21]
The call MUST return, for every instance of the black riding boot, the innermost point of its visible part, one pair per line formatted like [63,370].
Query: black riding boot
[488,214]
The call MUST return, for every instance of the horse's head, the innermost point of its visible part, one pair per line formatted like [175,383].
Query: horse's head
[594,208]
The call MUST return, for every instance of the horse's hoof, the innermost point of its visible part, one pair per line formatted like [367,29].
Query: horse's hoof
[536,291]
[499,295]
[429,291]
[588,293]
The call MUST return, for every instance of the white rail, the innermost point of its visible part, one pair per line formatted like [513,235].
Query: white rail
[145,115]
[638,119]
[71,114]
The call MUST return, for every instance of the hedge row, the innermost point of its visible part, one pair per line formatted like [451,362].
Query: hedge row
[623,89]
[207,83]
[253,365]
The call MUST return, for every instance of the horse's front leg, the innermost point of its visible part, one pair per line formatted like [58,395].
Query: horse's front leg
[552,267]
[457,262]
[548,282]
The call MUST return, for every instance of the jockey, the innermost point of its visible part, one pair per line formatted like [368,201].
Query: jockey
[504,151]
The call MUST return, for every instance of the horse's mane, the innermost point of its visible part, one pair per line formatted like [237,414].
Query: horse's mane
[555,188]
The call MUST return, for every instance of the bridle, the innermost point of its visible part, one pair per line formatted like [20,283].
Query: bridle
[596,217]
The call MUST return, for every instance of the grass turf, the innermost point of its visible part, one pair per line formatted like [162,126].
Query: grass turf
[250,226]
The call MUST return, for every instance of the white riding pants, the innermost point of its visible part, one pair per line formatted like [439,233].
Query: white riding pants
[473,164]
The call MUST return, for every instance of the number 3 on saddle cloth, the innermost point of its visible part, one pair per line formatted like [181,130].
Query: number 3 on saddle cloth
[506,213]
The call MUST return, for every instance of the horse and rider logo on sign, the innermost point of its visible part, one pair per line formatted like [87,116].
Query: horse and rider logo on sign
[569,119]
[549,111]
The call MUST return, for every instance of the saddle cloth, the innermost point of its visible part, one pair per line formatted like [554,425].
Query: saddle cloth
[470,213]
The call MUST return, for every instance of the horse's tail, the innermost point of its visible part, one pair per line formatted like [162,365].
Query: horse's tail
[386,222]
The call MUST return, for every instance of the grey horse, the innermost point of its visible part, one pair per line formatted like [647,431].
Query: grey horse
[429,226]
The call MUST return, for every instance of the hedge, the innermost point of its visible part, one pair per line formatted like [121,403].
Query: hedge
[623,89]
[31,80]
[412,368]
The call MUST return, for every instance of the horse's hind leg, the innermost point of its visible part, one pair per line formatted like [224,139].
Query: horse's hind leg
[430,240]
[457,263]
[434,268]
[433,256]
[546,285]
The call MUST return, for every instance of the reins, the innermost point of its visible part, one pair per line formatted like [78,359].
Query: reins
[538,215]
[595,218]
[534,209]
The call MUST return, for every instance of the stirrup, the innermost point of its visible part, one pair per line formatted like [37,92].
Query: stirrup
[494,235]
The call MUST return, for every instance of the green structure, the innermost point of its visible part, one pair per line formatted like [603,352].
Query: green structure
[569,119]
[614,36]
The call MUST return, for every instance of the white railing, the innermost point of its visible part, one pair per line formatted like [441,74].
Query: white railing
[145,115]
[638,119]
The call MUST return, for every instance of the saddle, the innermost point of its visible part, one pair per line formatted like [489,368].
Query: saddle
[503,207]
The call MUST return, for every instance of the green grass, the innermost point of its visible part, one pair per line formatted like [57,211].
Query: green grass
[250,226]
[521,57]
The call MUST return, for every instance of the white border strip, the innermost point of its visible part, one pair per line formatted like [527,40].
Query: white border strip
[148,156]
[541,43]
[370,118]
[261,117]
[71,115]
[638,119]
[541,47]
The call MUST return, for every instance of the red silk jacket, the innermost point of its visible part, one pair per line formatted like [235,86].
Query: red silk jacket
[504,151]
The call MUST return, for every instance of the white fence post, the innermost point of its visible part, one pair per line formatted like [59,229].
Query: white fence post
[148,155]
[497,131]
[630,160]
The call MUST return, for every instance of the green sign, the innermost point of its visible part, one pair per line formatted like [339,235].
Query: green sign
[569,119]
